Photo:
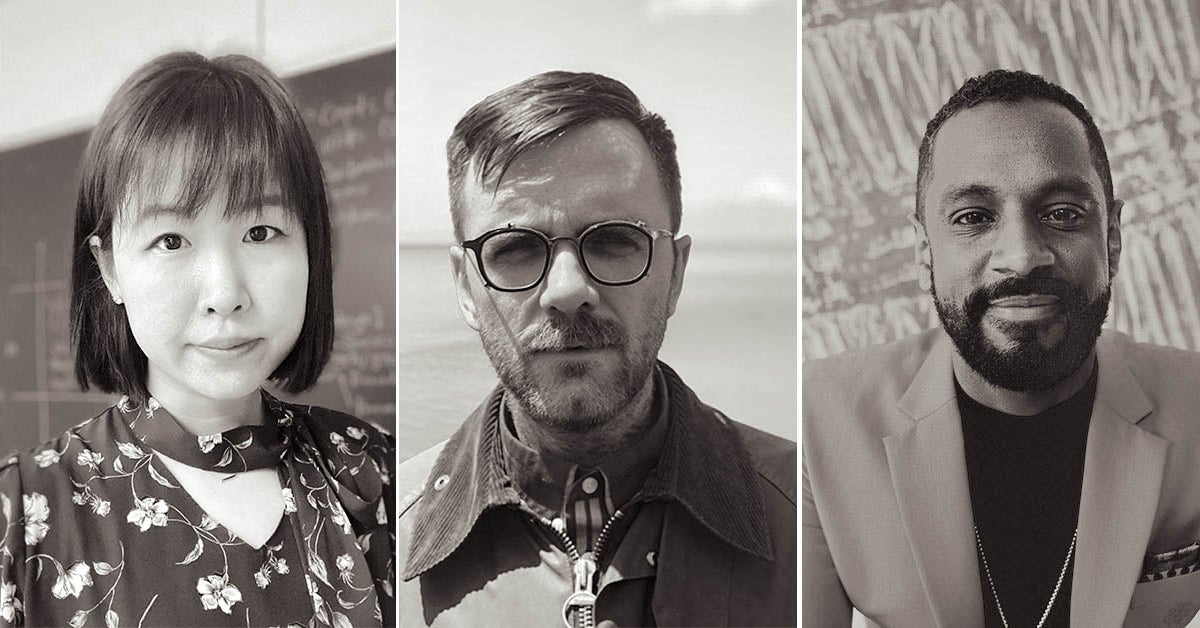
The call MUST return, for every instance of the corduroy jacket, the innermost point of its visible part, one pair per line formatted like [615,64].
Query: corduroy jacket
[721,504]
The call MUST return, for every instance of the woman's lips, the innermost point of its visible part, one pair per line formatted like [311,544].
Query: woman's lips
[227,348]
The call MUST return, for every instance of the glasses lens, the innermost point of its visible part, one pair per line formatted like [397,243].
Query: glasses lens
[616,253]
[514,259]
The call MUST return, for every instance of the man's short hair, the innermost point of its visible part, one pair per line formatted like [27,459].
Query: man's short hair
[1009,86]
[501,127]
[229,124]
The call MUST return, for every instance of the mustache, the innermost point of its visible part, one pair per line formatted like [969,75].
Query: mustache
[580,331]
[1023,286]
[981,299]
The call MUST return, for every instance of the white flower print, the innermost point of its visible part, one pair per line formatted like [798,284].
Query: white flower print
[338,516]
[46,458]
[262,577]
[152,404]
[289,502]
[89,458]
[148,512]
[344,564]
[340,441]
[208,442]
[72,581]
[216,592]
[10,604]
[312,591]
[131,451]
[381,514]
[281,566]
[101,507]
[126,405]
[37,511]
[355,433]
[285,419]
[78,619]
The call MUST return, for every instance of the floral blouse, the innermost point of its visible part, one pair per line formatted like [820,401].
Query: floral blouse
[98,532]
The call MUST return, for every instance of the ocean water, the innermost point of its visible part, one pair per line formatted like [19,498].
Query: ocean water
[732,339]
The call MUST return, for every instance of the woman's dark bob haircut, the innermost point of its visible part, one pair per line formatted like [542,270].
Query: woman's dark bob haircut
[224,125]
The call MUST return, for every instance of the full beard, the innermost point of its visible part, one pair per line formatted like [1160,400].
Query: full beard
[1027,362]
[573,395]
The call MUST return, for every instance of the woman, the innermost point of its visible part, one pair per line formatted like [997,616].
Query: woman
[202,270]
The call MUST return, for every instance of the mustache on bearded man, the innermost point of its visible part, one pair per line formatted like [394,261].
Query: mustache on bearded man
[582,330]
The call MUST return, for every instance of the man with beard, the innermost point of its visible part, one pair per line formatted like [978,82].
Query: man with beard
[1017,467]
[592,485]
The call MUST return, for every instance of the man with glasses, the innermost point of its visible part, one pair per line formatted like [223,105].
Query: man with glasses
[592,485]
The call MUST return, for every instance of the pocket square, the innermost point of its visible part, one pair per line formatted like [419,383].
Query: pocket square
[1178,562]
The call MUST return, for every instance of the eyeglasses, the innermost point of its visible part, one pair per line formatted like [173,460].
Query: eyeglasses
[614,253]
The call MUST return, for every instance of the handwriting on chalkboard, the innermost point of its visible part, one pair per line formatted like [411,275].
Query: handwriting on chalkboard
[875,72]
[351,114]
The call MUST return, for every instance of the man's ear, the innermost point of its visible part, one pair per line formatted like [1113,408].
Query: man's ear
[1114,237]
[924,258]
[682,248]
[104,259]
[462,285]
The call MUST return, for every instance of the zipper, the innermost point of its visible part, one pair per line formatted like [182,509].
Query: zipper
[585,567]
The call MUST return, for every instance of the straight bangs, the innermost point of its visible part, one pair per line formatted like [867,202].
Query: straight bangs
[179,131]
[214,139]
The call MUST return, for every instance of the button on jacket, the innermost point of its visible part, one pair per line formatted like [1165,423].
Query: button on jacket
[710,542]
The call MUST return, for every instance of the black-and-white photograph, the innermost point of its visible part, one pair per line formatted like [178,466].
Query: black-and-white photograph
[1000,322]
[197,383]
[597,320]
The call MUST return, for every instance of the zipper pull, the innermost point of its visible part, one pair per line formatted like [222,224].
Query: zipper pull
[584,596]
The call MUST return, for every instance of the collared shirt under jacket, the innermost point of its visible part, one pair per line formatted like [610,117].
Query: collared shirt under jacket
[711,541]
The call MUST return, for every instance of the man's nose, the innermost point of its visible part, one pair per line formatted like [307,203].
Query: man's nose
[567,287]
[1020,247]
[222,283]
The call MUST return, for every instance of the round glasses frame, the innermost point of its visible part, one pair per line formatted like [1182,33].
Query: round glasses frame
[475,245]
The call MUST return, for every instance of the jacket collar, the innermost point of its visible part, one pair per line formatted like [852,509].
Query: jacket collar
[1121,480]
[703,466]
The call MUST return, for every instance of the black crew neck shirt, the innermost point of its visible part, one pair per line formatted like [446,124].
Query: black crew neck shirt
[1025,474]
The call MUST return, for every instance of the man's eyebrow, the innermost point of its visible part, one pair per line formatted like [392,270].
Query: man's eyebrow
[1069,184]
[969,191]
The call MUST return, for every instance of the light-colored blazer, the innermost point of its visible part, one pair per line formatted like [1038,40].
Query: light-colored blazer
[886,514]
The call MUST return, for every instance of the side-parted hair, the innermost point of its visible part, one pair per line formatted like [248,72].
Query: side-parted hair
[498,129]
[225,124]
[1009,86]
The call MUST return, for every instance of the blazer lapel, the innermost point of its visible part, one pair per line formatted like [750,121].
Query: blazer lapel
[1122,476]
[929,477]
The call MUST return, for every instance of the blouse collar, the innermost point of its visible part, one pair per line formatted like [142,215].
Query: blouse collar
[243,448]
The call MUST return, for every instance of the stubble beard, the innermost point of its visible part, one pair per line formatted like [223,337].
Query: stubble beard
[1026,363]
[578,395]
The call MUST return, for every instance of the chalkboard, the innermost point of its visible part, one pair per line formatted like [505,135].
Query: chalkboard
[350,111]
[874,72]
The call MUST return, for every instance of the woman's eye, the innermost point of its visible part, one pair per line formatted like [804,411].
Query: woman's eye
[971,218]
[261,233]
[169,242]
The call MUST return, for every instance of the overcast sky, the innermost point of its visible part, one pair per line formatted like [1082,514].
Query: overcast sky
[722,73]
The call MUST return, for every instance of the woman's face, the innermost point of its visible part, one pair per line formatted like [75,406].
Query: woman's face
[216,304]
